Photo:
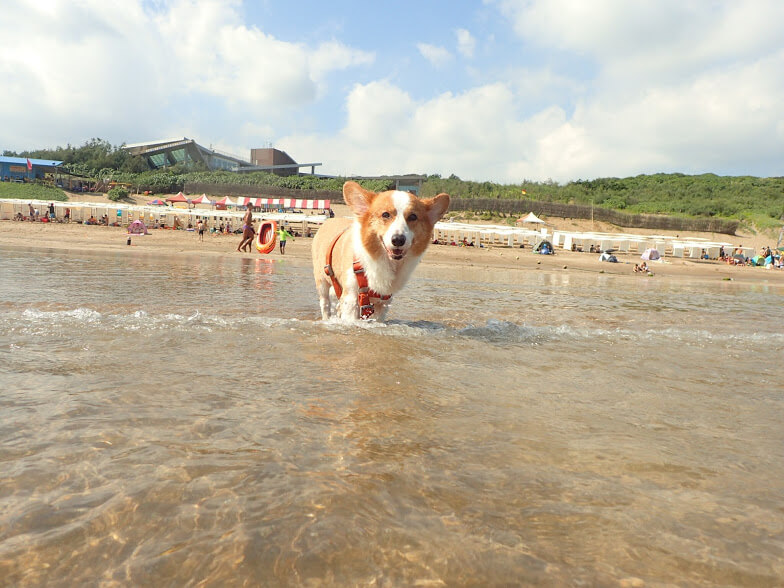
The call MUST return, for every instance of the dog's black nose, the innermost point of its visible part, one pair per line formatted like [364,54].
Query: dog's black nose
[398,240]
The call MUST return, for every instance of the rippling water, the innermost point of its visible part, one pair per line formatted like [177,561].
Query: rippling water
[185,420]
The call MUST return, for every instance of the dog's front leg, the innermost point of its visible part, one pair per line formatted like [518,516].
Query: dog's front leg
[348,307]
[380,309]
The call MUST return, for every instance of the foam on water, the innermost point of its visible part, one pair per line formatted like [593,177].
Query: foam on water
[77,315]
[498,332]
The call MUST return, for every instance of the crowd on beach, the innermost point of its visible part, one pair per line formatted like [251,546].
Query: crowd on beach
[46,215]
[768,258]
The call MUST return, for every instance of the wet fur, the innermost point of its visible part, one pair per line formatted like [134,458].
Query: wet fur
[381,221]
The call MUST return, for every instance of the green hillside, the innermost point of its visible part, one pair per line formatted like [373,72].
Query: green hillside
[756,200]
[30,192]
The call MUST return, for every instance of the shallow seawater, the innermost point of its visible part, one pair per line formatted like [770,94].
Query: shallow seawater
[186,420]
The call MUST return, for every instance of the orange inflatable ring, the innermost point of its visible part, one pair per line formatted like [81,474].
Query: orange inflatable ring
[266,236]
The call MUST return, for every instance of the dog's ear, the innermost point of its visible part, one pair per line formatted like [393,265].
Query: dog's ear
[357,198]
[436,207]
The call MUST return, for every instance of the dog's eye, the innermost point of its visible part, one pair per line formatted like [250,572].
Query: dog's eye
[411,217]
[385,215]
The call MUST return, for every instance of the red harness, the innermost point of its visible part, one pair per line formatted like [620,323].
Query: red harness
[366,308]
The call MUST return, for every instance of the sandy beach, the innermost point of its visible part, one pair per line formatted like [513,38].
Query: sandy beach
[80,237]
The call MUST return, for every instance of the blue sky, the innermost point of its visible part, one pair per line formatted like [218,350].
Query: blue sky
[499,90]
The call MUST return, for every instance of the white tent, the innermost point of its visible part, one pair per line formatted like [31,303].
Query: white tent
[531,218]
[201,200]
[226,201]
[650,255]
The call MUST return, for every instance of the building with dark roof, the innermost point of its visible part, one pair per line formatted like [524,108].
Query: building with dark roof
[169,152]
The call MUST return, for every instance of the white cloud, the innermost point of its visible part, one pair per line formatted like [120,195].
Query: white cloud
[724,118]
[229,60]
[437,56]
[334,55]
[389,132]
[673,86]
[644,38]
[466,44]
[126,71]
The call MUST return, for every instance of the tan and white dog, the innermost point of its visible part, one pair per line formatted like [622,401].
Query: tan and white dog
[367,259]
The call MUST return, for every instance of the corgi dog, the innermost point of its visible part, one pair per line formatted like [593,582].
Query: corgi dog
[365,260]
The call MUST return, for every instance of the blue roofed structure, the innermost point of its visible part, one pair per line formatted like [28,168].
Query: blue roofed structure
[19,169]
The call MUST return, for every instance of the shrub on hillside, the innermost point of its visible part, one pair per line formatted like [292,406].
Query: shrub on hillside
[117,193]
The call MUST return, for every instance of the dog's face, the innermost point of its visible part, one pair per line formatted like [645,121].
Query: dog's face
[394,224]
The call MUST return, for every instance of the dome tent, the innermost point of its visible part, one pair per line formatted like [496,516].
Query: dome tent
[138,227]
[650,255]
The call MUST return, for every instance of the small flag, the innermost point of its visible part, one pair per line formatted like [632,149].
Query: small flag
[29,165]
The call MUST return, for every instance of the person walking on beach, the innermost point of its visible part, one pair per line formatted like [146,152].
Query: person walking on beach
[200,229]
[282,235]
[248,242]
[247,230]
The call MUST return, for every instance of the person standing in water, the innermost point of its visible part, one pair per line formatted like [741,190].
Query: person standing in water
[282,235]
[247,229]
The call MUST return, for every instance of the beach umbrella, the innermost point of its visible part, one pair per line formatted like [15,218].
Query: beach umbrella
[180,197]
[157,202]
[226,201]
[201,200]
[530,218]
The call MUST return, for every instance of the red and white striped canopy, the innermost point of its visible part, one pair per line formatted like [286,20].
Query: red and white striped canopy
[284,203]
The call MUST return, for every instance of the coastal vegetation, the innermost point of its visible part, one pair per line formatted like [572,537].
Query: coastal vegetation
[759,201]
[31,191]
[756,200]
[117,193]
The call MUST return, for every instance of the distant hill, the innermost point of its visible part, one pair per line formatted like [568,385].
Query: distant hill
[752,199]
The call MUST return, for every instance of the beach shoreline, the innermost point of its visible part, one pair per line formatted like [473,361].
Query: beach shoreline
[79,237]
